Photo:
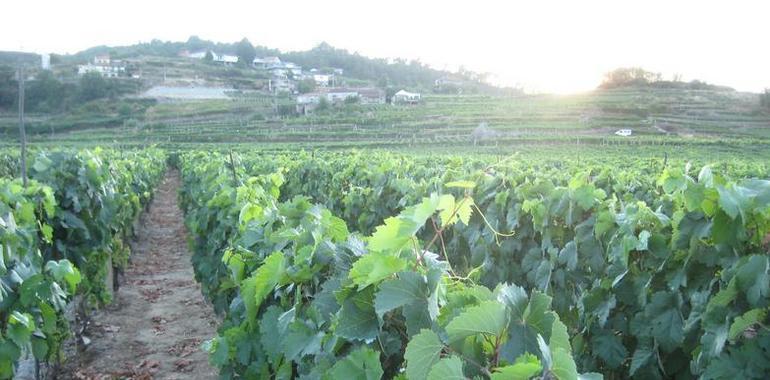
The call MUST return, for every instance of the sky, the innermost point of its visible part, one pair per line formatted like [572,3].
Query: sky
[544,46]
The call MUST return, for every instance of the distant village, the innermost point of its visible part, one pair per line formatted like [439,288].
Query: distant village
[284,77]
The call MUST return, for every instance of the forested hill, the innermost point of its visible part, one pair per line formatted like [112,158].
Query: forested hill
[398,72]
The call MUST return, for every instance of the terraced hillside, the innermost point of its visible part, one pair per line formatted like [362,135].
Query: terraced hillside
[656,116]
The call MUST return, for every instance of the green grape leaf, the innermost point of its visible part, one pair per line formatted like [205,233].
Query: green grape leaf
[729,202]
[610,349]
[745,321]
[450,368]
[63,270]
[465,210]
[525,367]
[559,335]
[461,184]
[642,356]
[564,367]
[389,236]
[422,352]
[357,318]
[263,281]
[408,288]
[754,279]
[489,317]
[363,364]
[666,324]
[537,314]
[20,328]
[300,340]
[568,255]
[375,267]
[446,208]
[270,333]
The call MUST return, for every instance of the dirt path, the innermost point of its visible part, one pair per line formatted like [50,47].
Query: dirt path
[158,319]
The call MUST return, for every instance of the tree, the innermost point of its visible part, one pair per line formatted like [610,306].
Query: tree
[45,93]
[194,43]
[8,87]
[245,51]
[629,76]
[323,104]
[306,85]
[209,56]
[93,86]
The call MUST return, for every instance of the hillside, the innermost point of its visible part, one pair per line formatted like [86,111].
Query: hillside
[656,117]
[399,72]
[182,93]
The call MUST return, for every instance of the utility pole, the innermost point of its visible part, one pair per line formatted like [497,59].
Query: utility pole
[22,130]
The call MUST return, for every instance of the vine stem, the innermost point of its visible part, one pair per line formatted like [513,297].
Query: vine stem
[438,233]
[443,247]
[496,232]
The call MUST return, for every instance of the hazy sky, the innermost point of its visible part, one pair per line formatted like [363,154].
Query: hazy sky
[555,46]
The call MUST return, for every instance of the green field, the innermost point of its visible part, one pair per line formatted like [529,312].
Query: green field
[658,117]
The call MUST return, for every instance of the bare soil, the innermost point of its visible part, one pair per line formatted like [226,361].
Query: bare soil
[158,319]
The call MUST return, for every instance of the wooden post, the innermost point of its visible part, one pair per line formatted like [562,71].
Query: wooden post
[22,130]
[232,166]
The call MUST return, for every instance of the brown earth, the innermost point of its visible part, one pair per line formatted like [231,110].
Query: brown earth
[158,319]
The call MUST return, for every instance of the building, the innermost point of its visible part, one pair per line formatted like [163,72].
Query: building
[624,132]
[323,80]
[270,62]
[105,71]
[225,58]
[306,103]
[102,60]
[405,97]
[279,84]
[371,96]
[104,66]
[216,57]
[198,54]
[292,67]
[45,61]
[338,95]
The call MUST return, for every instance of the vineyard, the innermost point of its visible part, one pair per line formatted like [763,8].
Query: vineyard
[361,266]
[374,264]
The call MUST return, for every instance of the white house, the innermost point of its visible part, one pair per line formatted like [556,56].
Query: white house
[406,97]
[306,103]
[322,79]
[45,61]
[624,132]
[105,71]
[371,95]
[104,66]
[278,72]
[225,58]
[310,98]
[198,54]
[216,57]
[294,68]
[271,62]
[102,59]
[340,94]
